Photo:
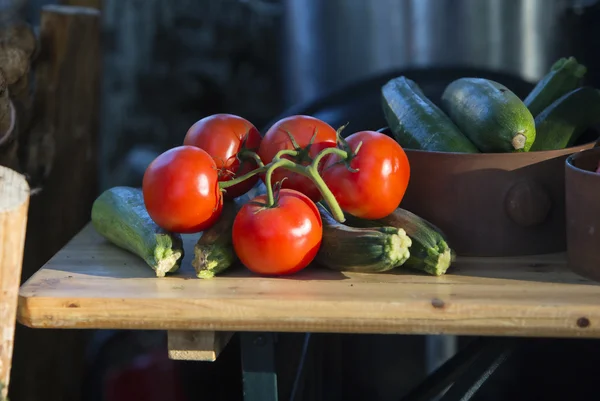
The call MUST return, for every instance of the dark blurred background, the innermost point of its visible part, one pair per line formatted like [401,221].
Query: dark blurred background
[168,63]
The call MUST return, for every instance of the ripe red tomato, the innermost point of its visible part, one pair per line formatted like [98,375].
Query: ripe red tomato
[376,189]
[223,136]
[279,240]
[302,128]
[181,190]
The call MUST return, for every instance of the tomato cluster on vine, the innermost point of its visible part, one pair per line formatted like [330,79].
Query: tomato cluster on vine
[301,159]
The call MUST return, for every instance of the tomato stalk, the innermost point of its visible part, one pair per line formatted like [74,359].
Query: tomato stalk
[235,181]
[310,171]
[246,154]
[285,152]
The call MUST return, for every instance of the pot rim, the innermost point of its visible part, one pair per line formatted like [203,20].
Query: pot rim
[569,162]
[542,154]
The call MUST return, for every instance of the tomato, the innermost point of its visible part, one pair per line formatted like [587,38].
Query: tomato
[279,240]
[302,128]
[377,188]
[181,190]
[223,136]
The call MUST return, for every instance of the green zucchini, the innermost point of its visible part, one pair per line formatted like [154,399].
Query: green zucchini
[561,123]
[429,251]
[489,114]
[564,76]
[119,215]
[213,252]
[417,123]
[363,250]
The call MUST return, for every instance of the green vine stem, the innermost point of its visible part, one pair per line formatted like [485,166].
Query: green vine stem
[268,177]
[286,152]
[311,171]
[344,155]
[246,154]
[242,178]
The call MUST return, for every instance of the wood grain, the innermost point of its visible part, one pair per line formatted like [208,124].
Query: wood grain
[92,284]
[197,345]
[14,203]
[62,153]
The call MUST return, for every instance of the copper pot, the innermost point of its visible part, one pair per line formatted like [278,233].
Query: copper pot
[583,213]
[492,204]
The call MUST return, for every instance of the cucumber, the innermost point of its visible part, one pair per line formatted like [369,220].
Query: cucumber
[564,76]
[490,115]
[214,253]
[119,215]
[417,123]
[561,123]
[429,251]
[363,250]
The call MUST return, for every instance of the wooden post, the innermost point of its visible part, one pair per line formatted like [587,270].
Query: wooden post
[14,202]
[62,147]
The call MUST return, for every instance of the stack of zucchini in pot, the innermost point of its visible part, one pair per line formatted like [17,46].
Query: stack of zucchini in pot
[478,115]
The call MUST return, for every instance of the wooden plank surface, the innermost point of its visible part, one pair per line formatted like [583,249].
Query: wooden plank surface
[92,284]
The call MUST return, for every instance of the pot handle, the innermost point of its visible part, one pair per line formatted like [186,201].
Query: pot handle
[527,203]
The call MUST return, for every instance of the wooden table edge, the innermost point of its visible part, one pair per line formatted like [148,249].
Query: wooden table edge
[578,327]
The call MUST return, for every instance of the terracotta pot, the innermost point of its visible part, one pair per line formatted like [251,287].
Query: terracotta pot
[583,213]
[492,204]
